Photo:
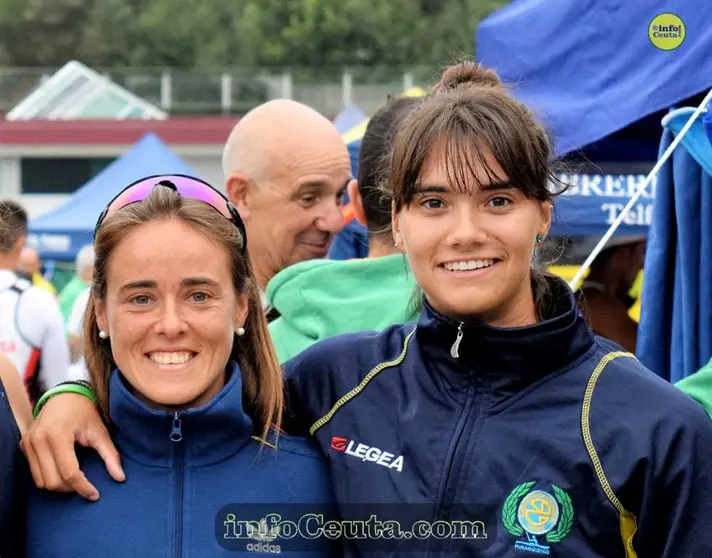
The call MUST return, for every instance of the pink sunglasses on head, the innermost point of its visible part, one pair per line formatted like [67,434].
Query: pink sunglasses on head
[186,186]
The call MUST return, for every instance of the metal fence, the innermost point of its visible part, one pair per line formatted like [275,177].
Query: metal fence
[237,90]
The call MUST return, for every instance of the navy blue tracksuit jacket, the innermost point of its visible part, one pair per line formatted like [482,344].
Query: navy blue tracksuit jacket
[193,481]
[548,440]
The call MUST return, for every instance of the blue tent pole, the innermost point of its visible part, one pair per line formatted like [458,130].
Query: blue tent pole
[606,237]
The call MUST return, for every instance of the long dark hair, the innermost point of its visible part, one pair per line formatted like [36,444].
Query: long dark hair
[374,163]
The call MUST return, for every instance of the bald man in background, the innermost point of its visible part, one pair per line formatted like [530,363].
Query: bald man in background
[286,171]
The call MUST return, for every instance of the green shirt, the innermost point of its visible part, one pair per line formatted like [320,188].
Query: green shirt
[69,295]
[699,386]
[319,298]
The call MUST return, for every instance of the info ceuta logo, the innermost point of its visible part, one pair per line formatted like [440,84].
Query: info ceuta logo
[367,453]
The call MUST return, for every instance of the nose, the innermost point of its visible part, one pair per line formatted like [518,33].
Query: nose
[467,228]
[331,219]
[170,322]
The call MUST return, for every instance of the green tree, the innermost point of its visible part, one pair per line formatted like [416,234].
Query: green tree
[322,34]
[40,32]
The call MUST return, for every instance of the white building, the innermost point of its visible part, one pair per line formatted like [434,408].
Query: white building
[43,161]
[76,122]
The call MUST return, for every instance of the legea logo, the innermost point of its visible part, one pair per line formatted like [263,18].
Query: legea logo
[367,453]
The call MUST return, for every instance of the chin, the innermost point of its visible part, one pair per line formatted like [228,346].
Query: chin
[468,312]
[171,396]
[470,303]
[312,251]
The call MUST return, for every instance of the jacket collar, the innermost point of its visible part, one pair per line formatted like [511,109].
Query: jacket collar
[509,359]
[208,434]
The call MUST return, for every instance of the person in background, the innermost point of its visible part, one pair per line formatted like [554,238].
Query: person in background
[15,417]
[321,298]
[352,241]
[604,296]
[178,351]
[75,336]
[31,326]
[84,268]
[29,267]
[286,170]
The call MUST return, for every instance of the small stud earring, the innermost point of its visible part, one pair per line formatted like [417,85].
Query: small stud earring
[240,331]
[539,239]
[103,334]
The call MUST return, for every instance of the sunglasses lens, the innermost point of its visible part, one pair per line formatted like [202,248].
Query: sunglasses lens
[135,193]
[185,186]
[198,191]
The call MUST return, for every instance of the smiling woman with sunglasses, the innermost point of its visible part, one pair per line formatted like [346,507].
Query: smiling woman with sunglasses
[184,373]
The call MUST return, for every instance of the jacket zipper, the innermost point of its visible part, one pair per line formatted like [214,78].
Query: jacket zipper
[455,349]
[470,397]
[176,436]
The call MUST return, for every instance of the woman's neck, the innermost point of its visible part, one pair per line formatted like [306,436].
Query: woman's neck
[520,311]
[379,247]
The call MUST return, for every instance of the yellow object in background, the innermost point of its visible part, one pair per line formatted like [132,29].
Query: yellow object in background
[42,283]
[636,292]
[568,272]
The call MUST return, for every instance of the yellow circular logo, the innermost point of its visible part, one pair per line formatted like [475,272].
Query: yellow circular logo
[667,31]
[538,512]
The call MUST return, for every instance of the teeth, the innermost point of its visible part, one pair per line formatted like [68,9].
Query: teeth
[170,358]
[468,265]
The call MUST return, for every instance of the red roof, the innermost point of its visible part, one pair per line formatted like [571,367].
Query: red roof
[177,130]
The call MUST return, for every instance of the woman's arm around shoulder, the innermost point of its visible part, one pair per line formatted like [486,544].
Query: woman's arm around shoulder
[49,445]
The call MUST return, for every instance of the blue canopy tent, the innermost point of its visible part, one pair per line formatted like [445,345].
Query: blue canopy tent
[60,233]
[348,119]
[592,202]
[587,80]
[675,331]
[588,68]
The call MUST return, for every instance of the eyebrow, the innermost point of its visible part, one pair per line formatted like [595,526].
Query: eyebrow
[187,282]
[498,185]
[319,187]
[312,185]
[438,189]
[430,189]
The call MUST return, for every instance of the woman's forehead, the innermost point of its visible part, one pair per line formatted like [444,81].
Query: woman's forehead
[462,166]
[170,244]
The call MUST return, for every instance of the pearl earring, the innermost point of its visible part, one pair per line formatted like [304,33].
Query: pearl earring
[240,331]
[103,334]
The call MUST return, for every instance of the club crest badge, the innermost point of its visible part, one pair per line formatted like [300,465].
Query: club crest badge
[539,516]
